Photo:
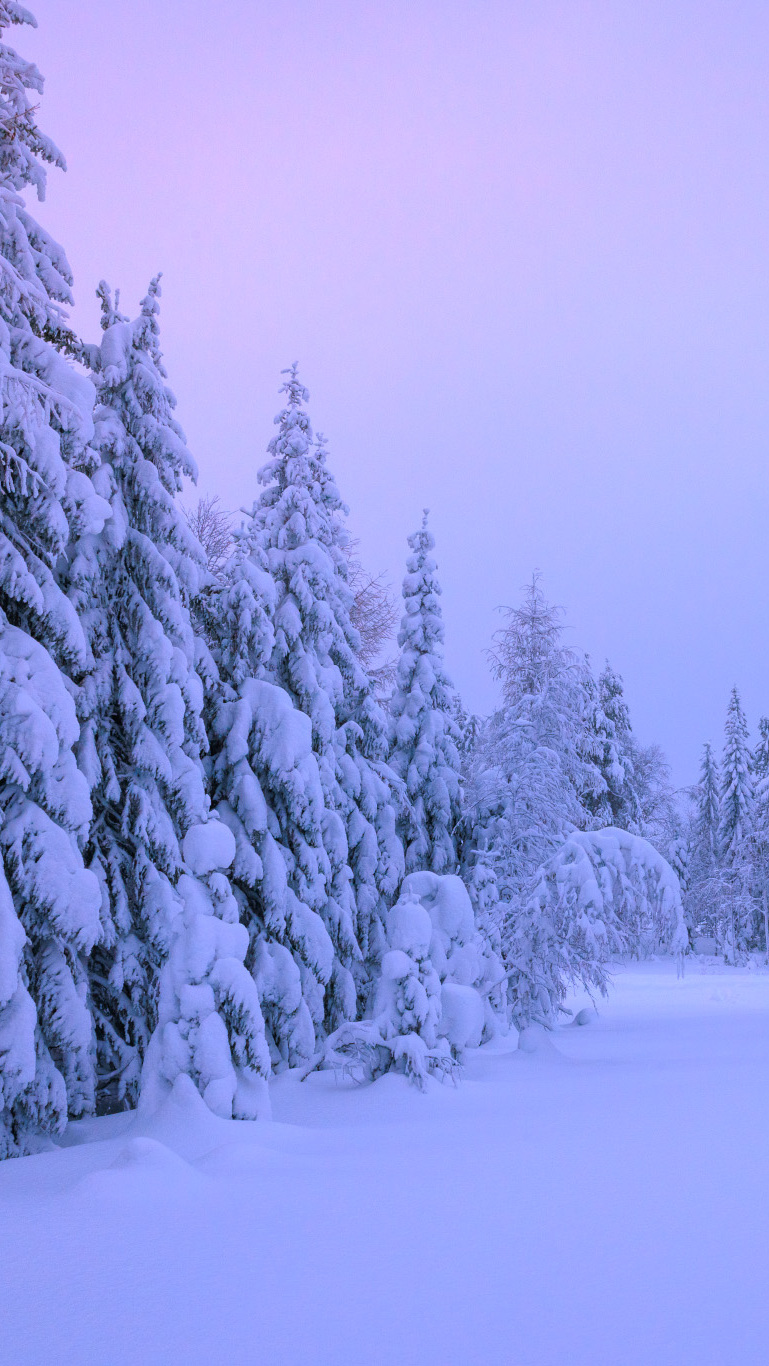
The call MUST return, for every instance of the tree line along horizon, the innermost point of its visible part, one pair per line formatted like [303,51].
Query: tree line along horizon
[234,840]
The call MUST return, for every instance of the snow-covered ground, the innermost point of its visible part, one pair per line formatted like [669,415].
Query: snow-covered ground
[604,1200]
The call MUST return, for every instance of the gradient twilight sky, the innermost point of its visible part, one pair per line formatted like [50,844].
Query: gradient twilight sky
[520,249]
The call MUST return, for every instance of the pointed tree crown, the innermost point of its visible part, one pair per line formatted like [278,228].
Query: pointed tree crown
[736,782]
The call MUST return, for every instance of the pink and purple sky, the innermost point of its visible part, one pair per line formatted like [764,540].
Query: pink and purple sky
[521,252]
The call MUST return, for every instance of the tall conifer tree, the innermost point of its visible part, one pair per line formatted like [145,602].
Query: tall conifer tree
[736,785]
[298,525]
[424,751]
[49,903]
[142,734]
[708,811]
[266,785]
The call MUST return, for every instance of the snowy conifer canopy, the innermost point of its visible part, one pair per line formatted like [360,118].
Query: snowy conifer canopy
[222,854]
[424,749]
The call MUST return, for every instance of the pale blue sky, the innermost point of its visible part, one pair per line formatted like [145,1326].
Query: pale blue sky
[520,252]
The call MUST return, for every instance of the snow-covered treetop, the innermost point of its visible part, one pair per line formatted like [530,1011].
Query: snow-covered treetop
[22,146]
[611,694]
[35,278]
[421,628]
[132,370]
[301,501]
[297,531]
[545,687]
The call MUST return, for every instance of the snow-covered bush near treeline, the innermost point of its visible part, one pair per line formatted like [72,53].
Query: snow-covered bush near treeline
[603,893]
[466,962]
[432,999]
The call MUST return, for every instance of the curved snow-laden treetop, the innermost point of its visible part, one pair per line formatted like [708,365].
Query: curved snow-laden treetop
[424,749]
[603,893]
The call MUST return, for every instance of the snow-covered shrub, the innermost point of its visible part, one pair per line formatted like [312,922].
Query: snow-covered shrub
[604,892]
[432,997]
[407,1001]
[464,958]
[210,1025]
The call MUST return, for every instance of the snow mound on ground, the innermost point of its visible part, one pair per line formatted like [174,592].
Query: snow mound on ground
[150,1155]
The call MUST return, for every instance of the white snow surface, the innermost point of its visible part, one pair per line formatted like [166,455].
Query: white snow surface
[598,1202]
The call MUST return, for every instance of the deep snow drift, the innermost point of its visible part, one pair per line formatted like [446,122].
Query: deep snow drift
[602,1200]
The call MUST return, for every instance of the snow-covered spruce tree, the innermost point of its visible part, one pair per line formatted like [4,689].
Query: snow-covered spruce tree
[469,727]
[298,525]
[707,821]
[736,785]
[759,837]
[142,730]
[608,719]
[737,911]
[594,738]
[759,763]
[424,749]
[49,903]
[711,885]
[266,786]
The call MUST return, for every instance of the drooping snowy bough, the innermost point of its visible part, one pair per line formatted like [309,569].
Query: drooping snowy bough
[603,893]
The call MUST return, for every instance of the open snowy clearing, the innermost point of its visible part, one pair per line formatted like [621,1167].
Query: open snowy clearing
[604,1200]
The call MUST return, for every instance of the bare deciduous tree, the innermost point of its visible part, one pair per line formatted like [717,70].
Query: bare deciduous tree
[212,526]
[374,615]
